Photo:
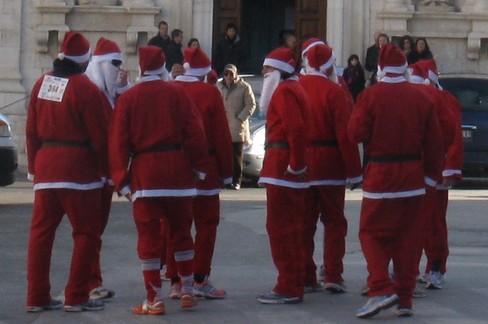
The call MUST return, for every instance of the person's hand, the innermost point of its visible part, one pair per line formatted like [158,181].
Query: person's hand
[302,176]
[128,196]
[177,69]
[123,78]
[449,182]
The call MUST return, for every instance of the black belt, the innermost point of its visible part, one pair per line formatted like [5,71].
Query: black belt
[160,148]
[212,152]
[66,143]
[271,145]
[394,158]
[320,143]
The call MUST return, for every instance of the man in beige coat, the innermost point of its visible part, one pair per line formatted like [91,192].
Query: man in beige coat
[239,105]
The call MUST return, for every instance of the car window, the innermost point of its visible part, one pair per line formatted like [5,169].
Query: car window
[472,93]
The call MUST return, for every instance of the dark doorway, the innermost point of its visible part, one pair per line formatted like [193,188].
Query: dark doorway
[261,23]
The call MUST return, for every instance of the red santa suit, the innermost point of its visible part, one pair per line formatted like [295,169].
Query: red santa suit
[104,74]
[434,213]
[403,134]
[66,134]
[206,206]
[332,161]
[156,143]
[285,157]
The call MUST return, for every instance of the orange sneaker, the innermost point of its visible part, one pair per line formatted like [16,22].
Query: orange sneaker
[150,308]
[187,301]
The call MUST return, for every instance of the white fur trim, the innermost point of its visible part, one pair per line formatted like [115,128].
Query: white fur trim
[150,264]
[164,193]
[68,185]
[328,183]
[148,78]
[227,180]
[125,190]
[417,79]
[451,172]
[430,182]
[433,77]
[280,65]
[199,71]
[186,78]
[395,69]
[156,72]
[329,63]
[107,57]
[397,79]
[208,192]
[78,59]
[355,180]
[283,183]
[392,195]
[289,169]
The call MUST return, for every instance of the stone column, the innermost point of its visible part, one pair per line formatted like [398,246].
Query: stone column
[396,5]
[202,24]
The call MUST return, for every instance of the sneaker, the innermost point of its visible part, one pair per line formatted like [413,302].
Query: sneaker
[322,274]
[403,311]
[422,278]
[89,305]
[150,308]
[316,287]
[187,301]
[274,298]
[418,293]
[53,304]
[335,287]
[205,289]
[376,304]
[175,292]
[365,290]
[434,280]
[101,293]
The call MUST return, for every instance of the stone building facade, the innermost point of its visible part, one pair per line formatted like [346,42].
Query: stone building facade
[31,31]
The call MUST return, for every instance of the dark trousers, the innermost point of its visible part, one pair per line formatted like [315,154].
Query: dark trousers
[237,163]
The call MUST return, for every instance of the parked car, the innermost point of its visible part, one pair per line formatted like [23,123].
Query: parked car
[253,154]
[472,92]
[8,153]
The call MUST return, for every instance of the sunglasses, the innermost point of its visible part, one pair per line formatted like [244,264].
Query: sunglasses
[116,63]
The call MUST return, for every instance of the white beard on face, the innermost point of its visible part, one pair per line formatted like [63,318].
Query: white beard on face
[270,83]
[94,73]
[111,74]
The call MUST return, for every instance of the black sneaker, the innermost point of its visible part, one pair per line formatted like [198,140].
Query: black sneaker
[89,305]
[274,298]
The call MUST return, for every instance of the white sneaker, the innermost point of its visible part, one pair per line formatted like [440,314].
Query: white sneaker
[376,304]
[434,280]
[101,293]
[53,304]
[175,292]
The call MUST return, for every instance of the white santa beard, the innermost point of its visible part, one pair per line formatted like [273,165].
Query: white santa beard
[270,83]
[111,73]
[94,73]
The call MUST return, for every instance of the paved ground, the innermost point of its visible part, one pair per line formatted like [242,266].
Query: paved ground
[243,266]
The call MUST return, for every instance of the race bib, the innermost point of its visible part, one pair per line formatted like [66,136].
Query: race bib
[53,88]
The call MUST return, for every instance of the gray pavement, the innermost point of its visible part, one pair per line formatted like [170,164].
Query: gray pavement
[242,265]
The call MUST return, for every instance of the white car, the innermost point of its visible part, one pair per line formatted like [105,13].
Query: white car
[253,154]
[8,153]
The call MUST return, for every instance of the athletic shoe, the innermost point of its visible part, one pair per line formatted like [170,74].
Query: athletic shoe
[101,293]
[150,308]
[175,292]
[365,290]
[335,287]
[52,305]
[322,274]
[403,311]
[162,273]
[205,289]
[316,287]
[274,298]
[422,278]
[89,305]
[376,304]
[187,301]
[418,293]
[434,280]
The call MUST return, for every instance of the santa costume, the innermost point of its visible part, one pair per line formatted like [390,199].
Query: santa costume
[333,160]
[156,130]
[66,136]
[284,175]
[404,154]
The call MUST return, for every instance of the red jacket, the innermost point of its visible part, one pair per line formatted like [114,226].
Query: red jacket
[332,155]
[404,138]
[286,125]
[66,130]
[158,133]
[455,152]
[208,100]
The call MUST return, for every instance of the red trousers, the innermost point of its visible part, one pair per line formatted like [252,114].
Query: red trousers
[107,193]
[389,229]
[328,201]
[206,216]
[435,242]
[83,208]
[147,216]
[285,209]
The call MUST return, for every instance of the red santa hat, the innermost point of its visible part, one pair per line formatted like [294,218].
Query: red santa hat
[151,60]
[196,62]
[418,74]
[308,44]
[106,50]
[75,47]
[321,57]
[282,59]
[392,60]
